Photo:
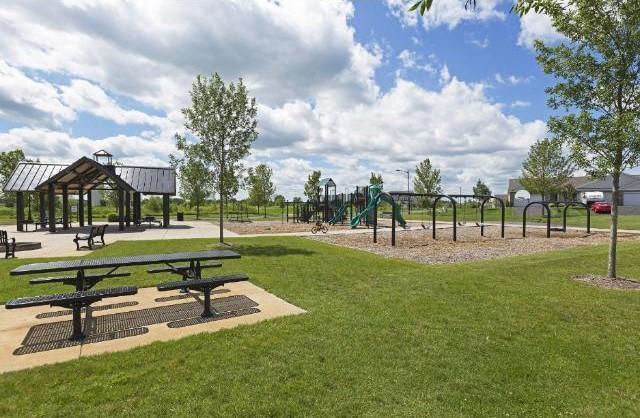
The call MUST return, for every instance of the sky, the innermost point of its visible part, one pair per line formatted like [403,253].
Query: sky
[343,87]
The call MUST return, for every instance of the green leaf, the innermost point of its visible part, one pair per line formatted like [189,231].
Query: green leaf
[415,6]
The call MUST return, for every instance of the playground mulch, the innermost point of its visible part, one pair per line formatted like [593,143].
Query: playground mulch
[417,245]
[606,282]
[273,227]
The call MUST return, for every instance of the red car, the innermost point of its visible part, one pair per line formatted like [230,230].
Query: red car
[601,207]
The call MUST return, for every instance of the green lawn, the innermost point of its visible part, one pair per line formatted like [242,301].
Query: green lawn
[382,337]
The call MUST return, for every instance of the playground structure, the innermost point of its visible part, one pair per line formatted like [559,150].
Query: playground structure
[239,212]
[361,207]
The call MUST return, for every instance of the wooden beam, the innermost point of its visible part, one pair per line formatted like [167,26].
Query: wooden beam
[89,209]
[65,207]
[165,210]
[81,206]
[51,200]
[127,203]
[19,211]
[121,209]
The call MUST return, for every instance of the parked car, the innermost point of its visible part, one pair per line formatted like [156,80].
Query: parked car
[601,207]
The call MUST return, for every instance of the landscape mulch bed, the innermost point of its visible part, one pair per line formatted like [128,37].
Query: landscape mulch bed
[273,227]
[618,283]
[417,245]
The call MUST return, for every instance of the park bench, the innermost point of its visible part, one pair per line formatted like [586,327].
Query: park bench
[204,285]
[74,301]
[44,222]
[8,244]
[95,232]
[184,271]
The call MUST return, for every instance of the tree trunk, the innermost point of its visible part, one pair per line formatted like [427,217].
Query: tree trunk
[221,190]
[265,211]
[613,234]
[197,210]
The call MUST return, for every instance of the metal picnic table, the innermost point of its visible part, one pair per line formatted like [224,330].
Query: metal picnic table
[80,266]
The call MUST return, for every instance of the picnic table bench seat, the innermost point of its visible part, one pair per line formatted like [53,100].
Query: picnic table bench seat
[204,285]
[94,233]
[75,301]
[90,281]
[8,244]
[182,269]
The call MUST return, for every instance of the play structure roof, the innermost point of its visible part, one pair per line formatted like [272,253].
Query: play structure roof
[326,182]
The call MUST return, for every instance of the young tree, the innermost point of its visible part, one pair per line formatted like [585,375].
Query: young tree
[427,180]
[312,184]
[261,188]
[196,180]
[481,189]
[8,162]
[546,169]
[279,201]
[598,73]
[376,179]
[224,119]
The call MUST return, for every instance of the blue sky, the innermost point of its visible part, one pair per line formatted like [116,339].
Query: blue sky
[347,88]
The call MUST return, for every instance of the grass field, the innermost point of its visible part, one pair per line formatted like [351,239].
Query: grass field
[381,337]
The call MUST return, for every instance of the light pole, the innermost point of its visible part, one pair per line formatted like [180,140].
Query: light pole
[407,172]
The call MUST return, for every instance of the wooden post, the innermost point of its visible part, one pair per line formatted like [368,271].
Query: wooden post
[65,207]
[20,211]
[51,200]
[136,208]
[120,210]
[81,206]
[42,208]
[165,210]
[89,208]
[127,208]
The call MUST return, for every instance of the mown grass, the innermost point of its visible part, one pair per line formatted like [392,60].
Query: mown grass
[382,337]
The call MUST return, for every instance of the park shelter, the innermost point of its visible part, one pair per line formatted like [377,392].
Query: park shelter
[81,178]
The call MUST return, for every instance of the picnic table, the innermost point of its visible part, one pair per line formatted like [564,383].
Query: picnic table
[83,281]
[83,297]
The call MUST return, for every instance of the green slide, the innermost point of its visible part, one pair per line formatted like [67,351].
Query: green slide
[339,214]
[374,200]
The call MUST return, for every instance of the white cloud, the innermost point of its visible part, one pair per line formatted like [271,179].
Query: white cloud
[319,103]
[29,100]
[520,103]
[536,26]
[512,79]
[411,60]
[448,13]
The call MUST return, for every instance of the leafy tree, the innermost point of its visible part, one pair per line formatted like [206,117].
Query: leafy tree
[279,200]
[196,181]
[520,7]
[297,199]
[261,188]
[481,189]
[312,184]
[427,180]
[224,120]
[546,169]
[598,87]
[376,179]
[8,162]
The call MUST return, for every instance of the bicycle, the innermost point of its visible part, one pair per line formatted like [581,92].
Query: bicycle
[319,227]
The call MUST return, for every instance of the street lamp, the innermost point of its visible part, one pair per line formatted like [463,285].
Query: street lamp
[407,172]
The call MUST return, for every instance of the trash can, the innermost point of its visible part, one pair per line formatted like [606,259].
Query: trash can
[180,216]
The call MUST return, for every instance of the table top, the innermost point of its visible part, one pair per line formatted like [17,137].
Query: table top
[110,262]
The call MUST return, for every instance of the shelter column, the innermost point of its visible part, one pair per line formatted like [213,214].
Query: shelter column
[51,200]
[136,207]
[165,210]
[20,211]
[42,207]
[127,210]
[81,206]
[65,207]
[120,209]
[89,209]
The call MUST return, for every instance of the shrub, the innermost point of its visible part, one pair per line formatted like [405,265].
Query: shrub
[112,217]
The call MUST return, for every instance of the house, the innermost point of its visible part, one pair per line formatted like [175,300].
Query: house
[587,190]
[517,195]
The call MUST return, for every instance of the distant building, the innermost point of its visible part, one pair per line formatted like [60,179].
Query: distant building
[587,190]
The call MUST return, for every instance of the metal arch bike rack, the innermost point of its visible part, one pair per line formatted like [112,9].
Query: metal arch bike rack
[393,218]
[524,217]
[433,215]
[502,209]
[564,214]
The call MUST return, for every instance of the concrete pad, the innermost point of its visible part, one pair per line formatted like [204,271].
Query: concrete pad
[60,243]
[15,324]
